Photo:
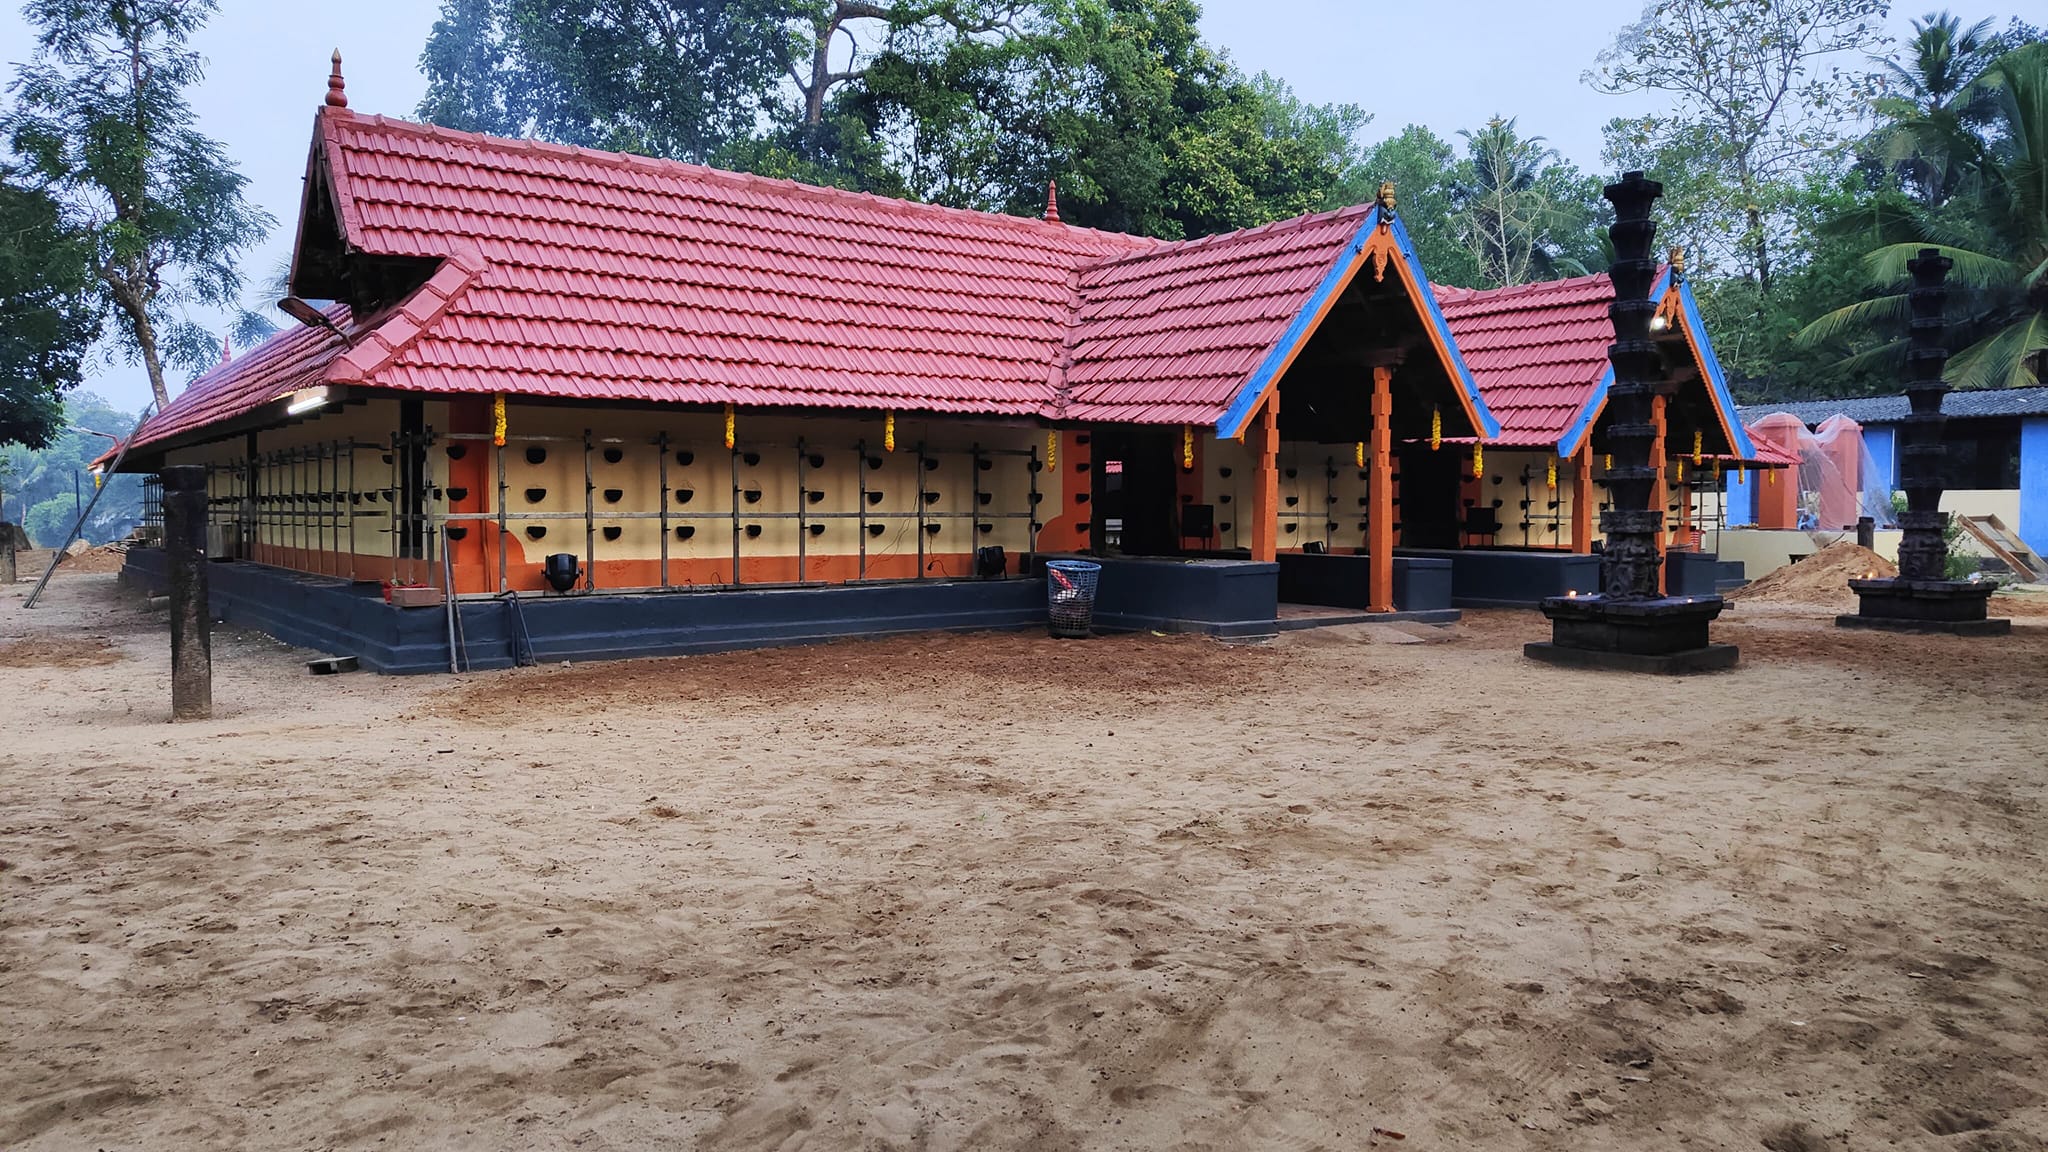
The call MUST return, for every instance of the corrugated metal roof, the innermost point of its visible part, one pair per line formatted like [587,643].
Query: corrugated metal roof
[1977,404]
[577,274]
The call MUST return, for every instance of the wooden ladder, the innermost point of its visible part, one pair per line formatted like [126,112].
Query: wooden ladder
[1999,540]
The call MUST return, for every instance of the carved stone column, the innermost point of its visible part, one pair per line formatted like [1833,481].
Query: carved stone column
[1630,626]
[1922,598]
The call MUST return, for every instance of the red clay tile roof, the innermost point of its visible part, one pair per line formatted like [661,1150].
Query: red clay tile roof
[1538,351]
[295,358]
[1168,336]
[579,274]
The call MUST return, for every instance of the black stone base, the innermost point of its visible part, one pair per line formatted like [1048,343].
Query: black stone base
[1712,658]
[1895,604]
[1664,635]
[1986,627]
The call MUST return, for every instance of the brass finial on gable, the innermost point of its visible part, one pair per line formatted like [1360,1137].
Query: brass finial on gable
[1386,196]
[337,94]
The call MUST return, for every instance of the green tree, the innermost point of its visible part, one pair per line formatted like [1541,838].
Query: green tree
[1757,103]
[37,486]
[1935,107]
[101,122]
[1999,311]
[47,315]
[1524,215]
[1427,176]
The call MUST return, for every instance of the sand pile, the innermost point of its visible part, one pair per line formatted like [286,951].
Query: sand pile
[105,558]
[1822,578]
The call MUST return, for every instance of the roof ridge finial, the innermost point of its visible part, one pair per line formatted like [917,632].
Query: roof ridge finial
[227,350]
[1676,258]
[337,94]
[1052,200]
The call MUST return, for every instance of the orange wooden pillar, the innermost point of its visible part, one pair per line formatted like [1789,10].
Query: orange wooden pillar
[469,473]
[1583,499]
[1379,545]
[1265,446]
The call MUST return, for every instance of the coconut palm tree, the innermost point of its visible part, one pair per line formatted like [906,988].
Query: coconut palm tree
[1999,299]
[1935,106]
[1507,212]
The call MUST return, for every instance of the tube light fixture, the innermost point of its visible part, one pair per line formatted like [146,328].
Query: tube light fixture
[306,400]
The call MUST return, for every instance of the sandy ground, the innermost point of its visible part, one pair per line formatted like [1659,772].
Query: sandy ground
[1002,893]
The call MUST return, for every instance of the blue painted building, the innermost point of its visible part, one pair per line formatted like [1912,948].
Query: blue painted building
[1997,441]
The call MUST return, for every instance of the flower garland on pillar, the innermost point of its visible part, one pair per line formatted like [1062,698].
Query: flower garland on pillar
[1358,452]
[498,419]
[1052,450]
[1478,461]
[889,432]
[730,423]
[1698,441]
[1436,427]
[1187,447]
[1550,474]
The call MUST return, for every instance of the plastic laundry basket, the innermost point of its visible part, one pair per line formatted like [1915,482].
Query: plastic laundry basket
[1070,597]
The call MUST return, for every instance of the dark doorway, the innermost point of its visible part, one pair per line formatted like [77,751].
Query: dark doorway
[1134,488]
[1429,512]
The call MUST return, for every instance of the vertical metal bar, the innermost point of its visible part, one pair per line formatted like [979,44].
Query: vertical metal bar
[425,479]
[974,512]
[735,514]
[589,520]
[661,446]
[920,509]
[802,525]
[391,500]
[503,585]
[351,505]
[860,470]
[1032,468]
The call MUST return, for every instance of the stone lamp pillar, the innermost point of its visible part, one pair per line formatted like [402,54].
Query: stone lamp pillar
[1629,625]
[1922,598]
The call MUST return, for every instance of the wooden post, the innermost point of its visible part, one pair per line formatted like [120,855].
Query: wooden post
[1660,490]
[1583,499]
[184,502]
[1266,487]
[1379,545]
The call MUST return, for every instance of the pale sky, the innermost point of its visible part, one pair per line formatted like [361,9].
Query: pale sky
[1447,65]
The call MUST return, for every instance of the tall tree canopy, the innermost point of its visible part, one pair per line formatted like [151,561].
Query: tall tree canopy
[102,124]
[1758,94]
[48,317]
[971,103]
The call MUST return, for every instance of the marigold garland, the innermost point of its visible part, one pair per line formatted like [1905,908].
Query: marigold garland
[1697,443]
[1550,473]
[1436,427]
[1187,447]
[1358,452]
[1608,464]
[1052,450]
[889,432]
[729,427]
[1478,461]
[498,419]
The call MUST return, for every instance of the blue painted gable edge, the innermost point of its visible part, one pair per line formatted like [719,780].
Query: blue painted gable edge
[1231,424]
[1696,330]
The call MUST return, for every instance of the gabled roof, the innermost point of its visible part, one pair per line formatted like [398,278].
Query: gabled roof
[1539,353]
[1976,404]
[1169,335]
[570,273]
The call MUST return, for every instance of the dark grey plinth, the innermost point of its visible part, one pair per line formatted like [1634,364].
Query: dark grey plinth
[1667,634]
[1957,607]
